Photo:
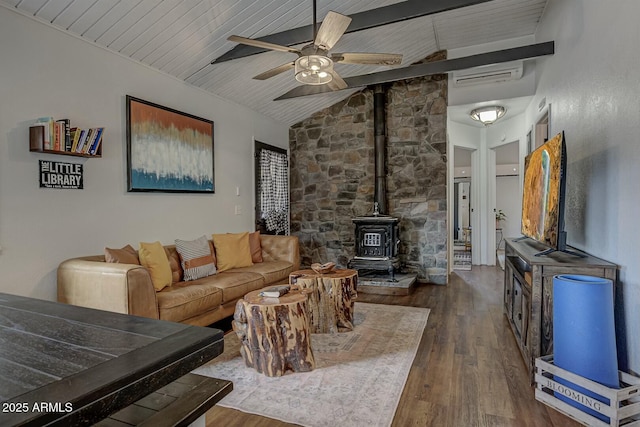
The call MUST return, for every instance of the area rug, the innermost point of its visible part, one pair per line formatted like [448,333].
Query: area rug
[358,380]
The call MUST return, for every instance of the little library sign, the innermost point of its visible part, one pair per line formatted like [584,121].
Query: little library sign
[60,175]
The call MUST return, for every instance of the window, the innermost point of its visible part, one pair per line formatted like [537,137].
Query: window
[272,189]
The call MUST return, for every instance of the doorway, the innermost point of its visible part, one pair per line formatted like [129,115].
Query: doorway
[462,210]
[508,199]
[542,129]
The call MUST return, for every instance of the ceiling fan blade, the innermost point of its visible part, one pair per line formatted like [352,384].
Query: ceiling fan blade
[275,71]
[333,27]
[261,44]
[371,18]
[337,83]
[367,58]
[304,90]
[430,68]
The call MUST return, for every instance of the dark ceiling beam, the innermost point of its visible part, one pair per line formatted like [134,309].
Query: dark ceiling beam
[430,68]
[360,21]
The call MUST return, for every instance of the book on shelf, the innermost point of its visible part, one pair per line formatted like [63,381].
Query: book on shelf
[48,131]
[65,134]
[83,142]
[75,137]
[90,140]
[60,135]
[56,136]
[96,142]
[275,291]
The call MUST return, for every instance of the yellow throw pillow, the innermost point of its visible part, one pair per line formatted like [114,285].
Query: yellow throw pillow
[232,250]
[154,258]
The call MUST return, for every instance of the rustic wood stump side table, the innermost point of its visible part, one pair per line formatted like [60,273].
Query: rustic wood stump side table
[274,333]
[331,299]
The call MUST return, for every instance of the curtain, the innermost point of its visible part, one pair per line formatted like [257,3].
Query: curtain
[274,191]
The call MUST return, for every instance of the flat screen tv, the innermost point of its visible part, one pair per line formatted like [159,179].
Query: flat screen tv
[543,196]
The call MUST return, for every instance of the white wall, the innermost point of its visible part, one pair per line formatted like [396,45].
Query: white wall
[44,72]
[593,85]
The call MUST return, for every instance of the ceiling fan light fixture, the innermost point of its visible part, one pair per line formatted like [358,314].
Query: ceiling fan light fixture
[314,69]
[488,115]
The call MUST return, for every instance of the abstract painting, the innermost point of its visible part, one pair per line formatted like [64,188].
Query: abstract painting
[541,196]
[168,150]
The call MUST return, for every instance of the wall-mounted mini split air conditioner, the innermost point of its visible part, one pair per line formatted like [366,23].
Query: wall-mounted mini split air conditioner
[488,74]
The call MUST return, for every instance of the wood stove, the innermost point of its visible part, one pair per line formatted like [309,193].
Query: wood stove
[377,240]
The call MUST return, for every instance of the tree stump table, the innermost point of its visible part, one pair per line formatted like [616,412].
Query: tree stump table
[274,333]
[331,298]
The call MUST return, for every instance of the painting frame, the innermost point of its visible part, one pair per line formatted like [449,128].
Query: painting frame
[168,150]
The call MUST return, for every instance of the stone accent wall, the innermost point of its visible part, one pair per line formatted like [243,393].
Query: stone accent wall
[332,175]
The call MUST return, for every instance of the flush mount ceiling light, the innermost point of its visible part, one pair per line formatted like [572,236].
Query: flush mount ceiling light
[487,115]
[314,69]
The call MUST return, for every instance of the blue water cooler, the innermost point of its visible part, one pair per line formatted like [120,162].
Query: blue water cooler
[584,339]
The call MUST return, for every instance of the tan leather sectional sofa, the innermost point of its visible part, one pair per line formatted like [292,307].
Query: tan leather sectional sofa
[127,288]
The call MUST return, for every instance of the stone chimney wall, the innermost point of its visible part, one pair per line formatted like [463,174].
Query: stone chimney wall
[332,175]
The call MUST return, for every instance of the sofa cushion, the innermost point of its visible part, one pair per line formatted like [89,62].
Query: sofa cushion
[183,300]
[232,250]
[154,258]
[255,247]
[196,258]
[272,271]
[126,255]
[235,285]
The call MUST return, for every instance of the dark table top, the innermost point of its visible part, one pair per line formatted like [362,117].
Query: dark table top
[68,365]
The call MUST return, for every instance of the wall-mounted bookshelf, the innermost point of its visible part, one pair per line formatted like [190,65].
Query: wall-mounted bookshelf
[58,137]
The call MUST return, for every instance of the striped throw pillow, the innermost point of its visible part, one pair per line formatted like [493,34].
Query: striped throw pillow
[196,258]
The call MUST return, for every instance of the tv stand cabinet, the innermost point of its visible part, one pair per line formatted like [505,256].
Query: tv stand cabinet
[528,292]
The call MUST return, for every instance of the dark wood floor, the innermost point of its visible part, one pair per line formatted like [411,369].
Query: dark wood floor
[468,370]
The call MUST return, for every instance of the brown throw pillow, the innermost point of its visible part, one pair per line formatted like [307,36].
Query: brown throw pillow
[174,263]
[255,246]
[126,255]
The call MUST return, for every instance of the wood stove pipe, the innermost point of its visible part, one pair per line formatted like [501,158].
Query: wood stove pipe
[379,150]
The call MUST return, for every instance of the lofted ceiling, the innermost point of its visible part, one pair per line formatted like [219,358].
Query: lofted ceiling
[182,38]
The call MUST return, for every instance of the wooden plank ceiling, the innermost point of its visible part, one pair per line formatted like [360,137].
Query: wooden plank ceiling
[182,37]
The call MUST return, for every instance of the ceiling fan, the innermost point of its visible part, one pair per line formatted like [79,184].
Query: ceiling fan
[314,65]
